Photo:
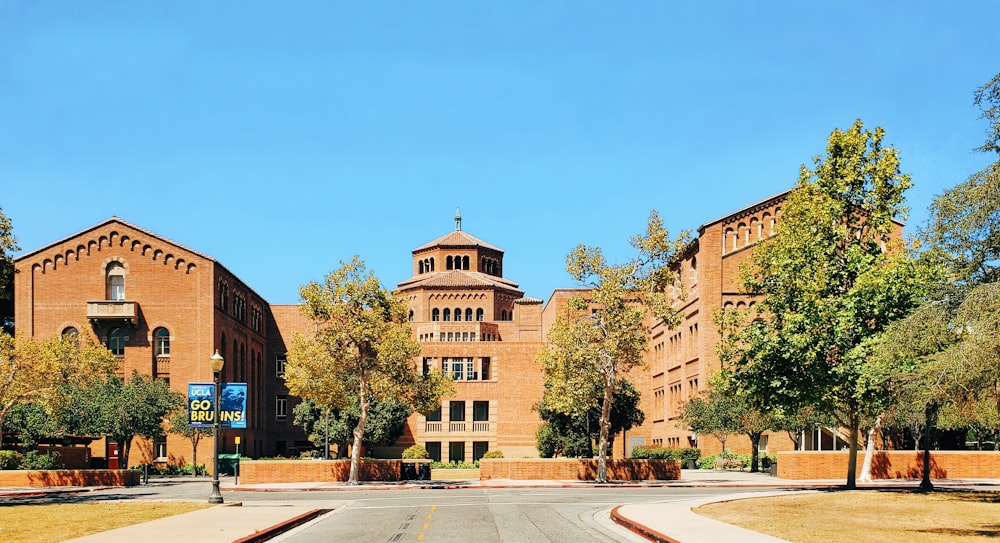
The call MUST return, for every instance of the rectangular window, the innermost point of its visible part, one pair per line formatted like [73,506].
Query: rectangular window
[470,370]
[456,411]
[279,366]
[480,411]
[434,450]
[160,447]
[434,416]
[484,368]
[456,451]
[281,407]
[479,448]
[457,369]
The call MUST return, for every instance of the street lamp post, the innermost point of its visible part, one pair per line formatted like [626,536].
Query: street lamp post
[217,363]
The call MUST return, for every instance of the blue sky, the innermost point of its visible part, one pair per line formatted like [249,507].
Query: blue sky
[283,137]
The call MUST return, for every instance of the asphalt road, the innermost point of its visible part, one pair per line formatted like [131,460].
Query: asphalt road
[463,515]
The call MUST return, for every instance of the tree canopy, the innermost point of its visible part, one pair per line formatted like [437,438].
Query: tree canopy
[601,334]
[832,276]
[8,246]
[363,350]
[573,436]
[330,426]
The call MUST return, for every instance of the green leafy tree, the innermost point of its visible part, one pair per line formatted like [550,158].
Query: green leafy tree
[830,278]
[601,334]
[41,371]
[122,409]
[574,436]
[179,423]
[31,423]
[386,424]
[713,413]
[8,246]
[362,351]
[987,98]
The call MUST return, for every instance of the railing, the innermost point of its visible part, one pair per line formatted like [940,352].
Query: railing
[456,427]
[112,310]
[480,427]
[432,426]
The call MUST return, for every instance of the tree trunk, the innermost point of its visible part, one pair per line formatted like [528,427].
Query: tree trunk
[852,455]
[194,454]
[602,443]
[359,432]
[755,450]
[930,416]
[866,467]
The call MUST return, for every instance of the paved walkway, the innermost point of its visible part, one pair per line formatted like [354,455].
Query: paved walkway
[671,522]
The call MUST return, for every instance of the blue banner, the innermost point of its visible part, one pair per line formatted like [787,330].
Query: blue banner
[232,405]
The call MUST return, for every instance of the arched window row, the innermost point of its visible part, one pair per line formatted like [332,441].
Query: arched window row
[426,265]
[457,314]
[749,231]
[490,266]
[457,262]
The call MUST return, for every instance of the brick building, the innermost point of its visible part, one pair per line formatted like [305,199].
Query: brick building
[162,309]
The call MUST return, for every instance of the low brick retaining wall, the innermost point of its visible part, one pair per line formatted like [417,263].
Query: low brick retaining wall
[800,465]
[69,477]
[320,471]
[582,469]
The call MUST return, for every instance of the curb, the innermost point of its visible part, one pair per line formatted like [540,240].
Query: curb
[273,531]
[639,529]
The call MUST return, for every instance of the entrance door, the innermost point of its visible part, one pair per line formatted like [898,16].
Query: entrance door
[113,456]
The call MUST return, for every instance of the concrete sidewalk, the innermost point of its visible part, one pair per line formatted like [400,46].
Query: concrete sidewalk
[672,522]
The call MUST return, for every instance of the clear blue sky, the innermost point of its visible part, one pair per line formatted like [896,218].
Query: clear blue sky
[283,137]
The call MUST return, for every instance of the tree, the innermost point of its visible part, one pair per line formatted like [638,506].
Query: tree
[31,423]
[39,372]
[386,423]
[831,277]
[987,98]
[600,335]
[574,436]
[179,423]
[362,351]
[712,413]
[121,409]
[8,246]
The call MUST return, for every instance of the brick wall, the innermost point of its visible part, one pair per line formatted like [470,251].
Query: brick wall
[577,469]
[890,465]
[67,477]
[302,471]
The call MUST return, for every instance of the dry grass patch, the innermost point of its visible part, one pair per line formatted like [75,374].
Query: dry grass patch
[867,515]
[59,522]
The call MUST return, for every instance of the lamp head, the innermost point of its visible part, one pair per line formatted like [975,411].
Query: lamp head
[217,361]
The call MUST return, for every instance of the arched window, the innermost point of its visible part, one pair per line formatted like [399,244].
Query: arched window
[420,266]
[725,240]
[447,314]
[161,342]
[458,314]
[411,315]
[694,269]
[222,351]
[432,264]
[479,314]
[468,314]
[224,296]
[435,314]
[503,314]
[448,263]
[71,335]
[465,262]
[116,281]
[116,341]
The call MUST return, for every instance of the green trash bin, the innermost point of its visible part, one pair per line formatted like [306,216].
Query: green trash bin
[228,464]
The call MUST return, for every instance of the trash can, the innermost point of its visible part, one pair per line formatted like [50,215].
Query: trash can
[416,470]
[228,464]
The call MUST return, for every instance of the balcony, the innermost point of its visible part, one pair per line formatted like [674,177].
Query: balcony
[112,310]
[480,427]
[432,426]
[456,427]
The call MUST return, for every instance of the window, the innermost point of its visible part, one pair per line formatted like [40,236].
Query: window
[468,314]
[456,411]
[116,281]
[484,368]
[161,342]
[479,314]
[279,366]
[503,314]
[458,314]
[116,342]
[456,451]
[480,411]
[479,449]
[447,314]
[159,447]
[435,314]
[434,450]
[434,416]
[281,407]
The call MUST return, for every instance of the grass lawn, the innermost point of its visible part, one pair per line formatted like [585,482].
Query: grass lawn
[867,515]
[44,523]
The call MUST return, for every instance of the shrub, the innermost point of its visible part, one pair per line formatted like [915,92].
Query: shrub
[680,455]
[493,454]
[10,459]
[36,460]
[415,452]
[453,465]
